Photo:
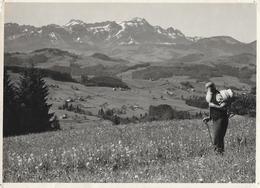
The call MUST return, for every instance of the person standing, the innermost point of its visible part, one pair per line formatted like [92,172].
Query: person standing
[218,109]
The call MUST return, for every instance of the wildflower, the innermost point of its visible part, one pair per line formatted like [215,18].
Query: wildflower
[200,180]
[20,162]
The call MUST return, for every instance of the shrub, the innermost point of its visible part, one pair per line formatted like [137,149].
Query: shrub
[187,85]
[55,123]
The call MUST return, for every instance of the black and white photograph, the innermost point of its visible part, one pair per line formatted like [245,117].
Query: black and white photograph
[120,92]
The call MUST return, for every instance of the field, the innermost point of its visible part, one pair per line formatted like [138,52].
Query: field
[166,151]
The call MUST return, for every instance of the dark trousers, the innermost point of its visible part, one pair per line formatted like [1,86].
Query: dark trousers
[219,130]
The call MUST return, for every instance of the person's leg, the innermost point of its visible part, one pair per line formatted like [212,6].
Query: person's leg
[224,125]
[217,134]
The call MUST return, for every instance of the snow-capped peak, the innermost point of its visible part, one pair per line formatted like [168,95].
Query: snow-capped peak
[174,32]
[74,22]
[160,30]
[194,39]
[137,19]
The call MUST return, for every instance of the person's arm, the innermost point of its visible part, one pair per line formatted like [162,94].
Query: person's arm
[209,96]
[222,106]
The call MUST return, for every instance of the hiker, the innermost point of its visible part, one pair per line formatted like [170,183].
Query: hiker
[218,109]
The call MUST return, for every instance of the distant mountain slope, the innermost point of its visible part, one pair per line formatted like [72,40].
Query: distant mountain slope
[107,58]
[66,62]
[239,60]
[41,56]
[49,57]
[220,45]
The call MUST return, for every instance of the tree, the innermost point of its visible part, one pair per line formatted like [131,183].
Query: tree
[56,123]
[253,90]
[33,92]
[11,107]
[101,113]
[84,79]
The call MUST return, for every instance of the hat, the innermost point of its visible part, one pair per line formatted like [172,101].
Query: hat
[209,84]
[226,94]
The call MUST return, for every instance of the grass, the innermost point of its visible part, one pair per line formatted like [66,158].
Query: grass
[166,151]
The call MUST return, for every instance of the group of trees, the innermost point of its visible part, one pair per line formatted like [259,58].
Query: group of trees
[25,105]
[113,116]
[74,108]
[104,81]
[55,75]
[244,105]
[109,114]
[197,101]
[166,112]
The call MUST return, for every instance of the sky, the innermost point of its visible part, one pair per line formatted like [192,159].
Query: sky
[237,20]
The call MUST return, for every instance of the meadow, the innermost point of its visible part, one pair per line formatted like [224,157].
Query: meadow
[163,151]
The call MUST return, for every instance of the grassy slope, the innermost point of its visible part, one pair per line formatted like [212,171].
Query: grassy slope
[172,151]
[116,99]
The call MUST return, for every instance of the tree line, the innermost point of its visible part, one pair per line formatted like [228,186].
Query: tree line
[55,75]
[155,113]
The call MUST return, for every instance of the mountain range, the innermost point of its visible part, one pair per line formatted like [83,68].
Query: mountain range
[134,31]
[134,40]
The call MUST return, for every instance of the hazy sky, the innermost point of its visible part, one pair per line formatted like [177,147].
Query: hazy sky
[233,19]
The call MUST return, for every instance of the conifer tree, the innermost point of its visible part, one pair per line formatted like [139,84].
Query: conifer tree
[10,110]
[35,116]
